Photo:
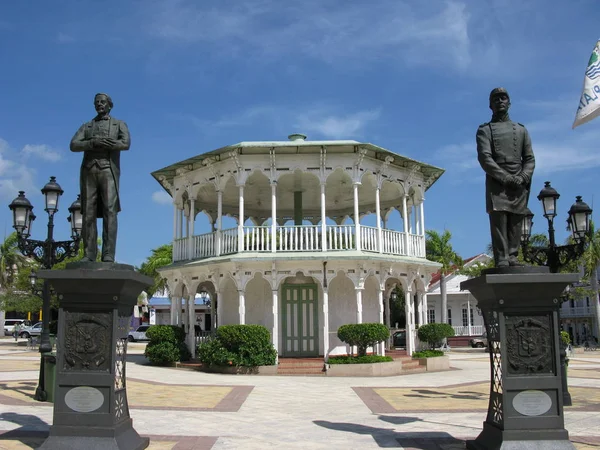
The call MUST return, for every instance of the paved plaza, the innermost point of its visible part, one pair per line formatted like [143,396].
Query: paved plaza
[182,409]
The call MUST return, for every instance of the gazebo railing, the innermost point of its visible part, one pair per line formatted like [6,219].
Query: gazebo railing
[298,238]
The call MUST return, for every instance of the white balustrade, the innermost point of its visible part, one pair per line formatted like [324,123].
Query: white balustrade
[257,239]
[296,238]
[180,249]
[393,242]
[473,330]
[416,245]
[203,245]
[340,237]
[229,241]
[368,238]
[576,311]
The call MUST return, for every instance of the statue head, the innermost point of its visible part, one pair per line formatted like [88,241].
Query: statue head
[499,101]
[103,104]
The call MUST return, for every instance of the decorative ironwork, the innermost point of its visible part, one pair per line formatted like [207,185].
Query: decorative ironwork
[529,344]
[58,250]
[87,341]
[555,257]
[121,409]
[492,326]
[121,354]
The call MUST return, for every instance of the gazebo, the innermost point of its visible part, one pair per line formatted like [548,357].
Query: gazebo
[301,259]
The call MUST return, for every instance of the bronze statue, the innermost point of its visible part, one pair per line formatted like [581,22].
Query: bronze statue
[101,140]
[505,154]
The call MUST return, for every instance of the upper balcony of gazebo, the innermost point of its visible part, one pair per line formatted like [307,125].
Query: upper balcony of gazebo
[300,180]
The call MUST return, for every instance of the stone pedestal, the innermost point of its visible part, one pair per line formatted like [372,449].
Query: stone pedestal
[520,311]
[90,407]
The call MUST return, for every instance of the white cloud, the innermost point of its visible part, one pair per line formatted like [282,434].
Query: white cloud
[337,126]
[162,198]
[333,31]
[323,121]
[14,176]
[64,38]
[41,151]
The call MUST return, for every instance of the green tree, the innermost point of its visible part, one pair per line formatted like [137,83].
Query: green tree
[439,249]
[590,261]
[11,260]
[161,256]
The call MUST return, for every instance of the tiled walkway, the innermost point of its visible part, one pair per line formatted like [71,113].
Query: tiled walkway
[182,409]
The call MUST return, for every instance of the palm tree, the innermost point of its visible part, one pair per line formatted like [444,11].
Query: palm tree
[160,257]
[591,261]
[11,260]
[439,249]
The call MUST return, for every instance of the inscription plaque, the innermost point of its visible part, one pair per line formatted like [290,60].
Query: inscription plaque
[84,399]
[532,403]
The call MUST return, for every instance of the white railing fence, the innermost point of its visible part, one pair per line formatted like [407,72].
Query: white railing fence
[473,330]
[203,245]
[180,249]
[393,242]
[299,238]
[368,239]
[340,237]
[229,241]
[257,239]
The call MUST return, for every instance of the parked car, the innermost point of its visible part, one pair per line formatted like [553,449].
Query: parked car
[34,330]
[399,338]
[139,334]
[9,324]
[479,342]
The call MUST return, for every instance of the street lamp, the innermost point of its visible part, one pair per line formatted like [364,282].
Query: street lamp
[557,256]
[47,253]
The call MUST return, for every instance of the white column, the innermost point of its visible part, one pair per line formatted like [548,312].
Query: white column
[191,324]
[219,320]
[191,254]
[178,311]
[469,314]
[184,315]
[242,306]
[181,211]
[213,316]
[219,249]
[323,220]
[359,305]
[241,220]
[356,217]
[425,309]
[410,326]
[172,310]
[273,216]
[378,216]
[388,318]
[326,324]
[275,332]
[380,303]
[422,216]
[420,307]
[405,223]
[175,215]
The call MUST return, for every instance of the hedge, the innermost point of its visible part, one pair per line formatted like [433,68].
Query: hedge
[167,345]
[238,345]
[434,333]
[363,335]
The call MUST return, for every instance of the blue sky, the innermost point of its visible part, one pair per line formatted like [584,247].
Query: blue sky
[189,76]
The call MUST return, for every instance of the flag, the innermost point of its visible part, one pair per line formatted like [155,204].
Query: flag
[589,103]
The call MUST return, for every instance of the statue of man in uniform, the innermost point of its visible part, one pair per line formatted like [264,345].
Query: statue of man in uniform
[101,140]
[505,154]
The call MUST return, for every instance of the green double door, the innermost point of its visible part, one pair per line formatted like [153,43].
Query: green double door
[299,320]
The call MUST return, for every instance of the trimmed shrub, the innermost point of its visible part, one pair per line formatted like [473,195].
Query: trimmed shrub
[434,333]
[359,359]
[427,354]
[565,338]
[238,345]
[167,345]
[363,335]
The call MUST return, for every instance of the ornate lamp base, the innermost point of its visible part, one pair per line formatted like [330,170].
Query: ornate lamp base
[520,310]
[90,406]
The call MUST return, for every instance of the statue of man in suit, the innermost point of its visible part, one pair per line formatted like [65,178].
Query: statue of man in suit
[101,140]
[505,154]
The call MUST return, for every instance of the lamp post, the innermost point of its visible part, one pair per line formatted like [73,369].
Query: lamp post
[555,257]
[47,252]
